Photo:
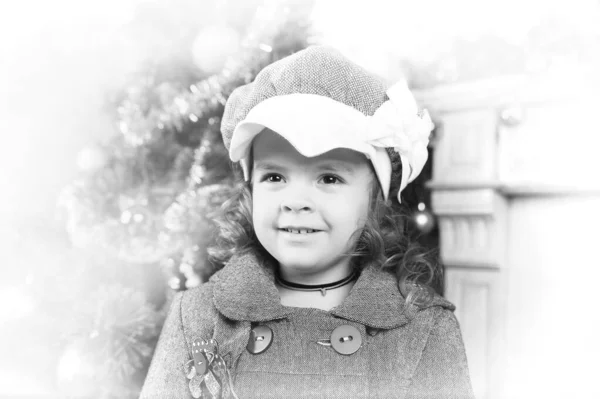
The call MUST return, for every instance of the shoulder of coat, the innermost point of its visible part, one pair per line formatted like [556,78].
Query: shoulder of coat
[428,307]
[425,298]
[440,301]
[197,304]
[446,325]
[433,313]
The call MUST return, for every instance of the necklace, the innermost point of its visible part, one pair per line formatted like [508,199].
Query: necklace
[316,287]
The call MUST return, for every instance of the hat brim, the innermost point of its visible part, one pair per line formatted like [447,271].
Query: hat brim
[313,125]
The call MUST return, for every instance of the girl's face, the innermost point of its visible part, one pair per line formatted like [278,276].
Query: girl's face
[306,210]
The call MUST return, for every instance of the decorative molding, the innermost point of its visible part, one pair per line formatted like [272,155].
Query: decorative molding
[478,296]
[501,140]
[472,227]
[525,134]
[468,241]
[521,189]
[466,147]
[535,189]
[460,185]
[509,90]
[553,146]
[464,202]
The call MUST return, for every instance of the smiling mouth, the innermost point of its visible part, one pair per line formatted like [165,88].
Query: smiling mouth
[300,231]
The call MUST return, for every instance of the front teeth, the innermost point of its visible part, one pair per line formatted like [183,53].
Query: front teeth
[299,231]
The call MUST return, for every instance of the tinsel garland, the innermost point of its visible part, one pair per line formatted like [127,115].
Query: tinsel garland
[169,162]
[114,339]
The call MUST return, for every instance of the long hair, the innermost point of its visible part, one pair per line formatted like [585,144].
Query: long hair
[383,241]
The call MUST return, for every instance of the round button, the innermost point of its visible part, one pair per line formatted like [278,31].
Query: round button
[200,363]
[346,340]
[261,338]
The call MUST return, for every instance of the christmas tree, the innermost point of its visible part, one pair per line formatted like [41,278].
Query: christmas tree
[139,218]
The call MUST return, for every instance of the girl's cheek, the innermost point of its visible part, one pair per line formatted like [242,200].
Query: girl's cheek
[261,199]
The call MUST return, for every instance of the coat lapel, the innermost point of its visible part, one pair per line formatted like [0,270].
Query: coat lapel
[244,290]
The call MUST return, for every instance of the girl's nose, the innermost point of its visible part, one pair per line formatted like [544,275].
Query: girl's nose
[296,205]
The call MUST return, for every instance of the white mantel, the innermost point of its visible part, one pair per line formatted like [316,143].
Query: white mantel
[516,188]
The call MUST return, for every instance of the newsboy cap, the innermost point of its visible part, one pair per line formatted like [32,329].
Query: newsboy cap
[319,100]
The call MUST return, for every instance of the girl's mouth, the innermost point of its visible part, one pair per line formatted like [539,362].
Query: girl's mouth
[300,231]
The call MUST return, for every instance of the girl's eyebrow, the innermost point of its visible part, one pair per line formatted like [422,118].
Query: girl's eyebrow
[262,165]
[326,166]
[336,167]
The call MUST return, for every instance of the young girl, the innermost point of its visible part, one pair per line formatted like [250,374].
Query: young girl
[321,295]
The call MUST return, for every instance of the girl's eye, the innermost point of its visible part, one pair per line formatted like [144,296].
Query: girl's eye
[272,178]
[331,179]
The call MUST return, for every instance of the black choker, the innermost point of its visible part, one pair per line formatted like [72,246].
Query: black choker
[316,287]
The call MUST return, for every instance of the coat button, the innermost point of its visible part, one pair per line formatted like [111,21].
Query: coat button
[260,339]
[346,340]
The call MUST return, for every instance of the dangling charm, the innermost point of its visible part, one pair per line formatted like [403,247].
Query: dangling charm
[207,372]
[196,379]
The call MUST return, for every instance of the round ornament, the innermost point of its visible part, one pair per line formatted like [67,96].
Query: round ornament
[76,372]
[192,281]
[213,45]
[92,159]
[423,219]
[138,219]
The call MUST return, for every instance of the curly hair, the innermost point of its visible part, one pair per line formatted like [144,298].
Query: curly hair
[383,241]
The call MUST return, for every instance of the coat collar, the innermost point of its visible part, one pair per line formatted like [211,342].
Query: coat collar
[244,290]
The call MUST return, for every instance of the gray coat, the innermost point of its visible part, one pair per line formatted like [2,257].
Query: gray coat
[406,351]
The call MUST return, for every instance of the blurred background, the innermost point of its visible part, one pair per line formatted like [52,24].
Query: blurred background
[111,161]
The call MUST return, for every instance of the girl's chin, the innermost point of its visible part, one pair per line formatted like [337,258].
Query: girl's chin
[292,264]
[304,265]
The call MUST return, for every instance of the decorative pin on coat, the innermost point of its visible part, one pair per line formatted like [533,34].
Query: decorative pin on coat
[207,372]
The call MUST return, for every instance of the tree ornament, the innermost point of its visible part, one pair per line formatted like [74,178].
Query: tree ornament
[116,329]
[140,113]
[175,283]
[193,281]
[423,219]
[137,216]
[197,173]
[76,372]
[189,262]
[213,46]
[138,219]
[91,159]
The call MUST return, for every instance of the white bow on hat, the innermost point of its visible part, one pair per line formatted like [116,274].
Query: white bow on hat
[397,123]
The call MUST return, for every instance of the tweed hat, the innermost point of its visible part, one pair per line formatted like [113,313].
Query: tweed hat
[318,100]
